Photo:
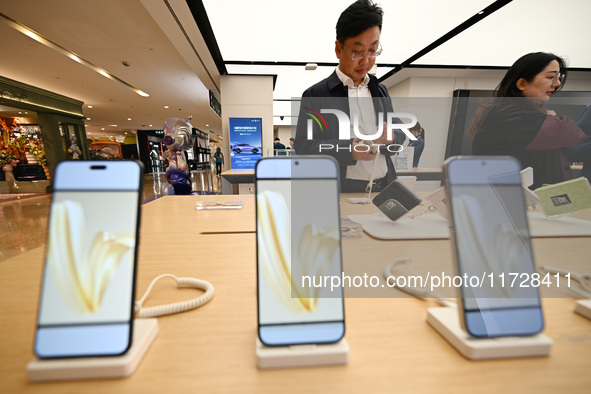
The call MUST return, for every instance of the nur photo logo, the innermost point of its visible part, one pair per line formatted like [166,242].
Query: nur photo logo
[392,120]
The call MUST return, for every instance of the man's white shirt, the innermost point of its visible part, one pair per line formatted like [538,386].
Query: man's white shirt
[360,103]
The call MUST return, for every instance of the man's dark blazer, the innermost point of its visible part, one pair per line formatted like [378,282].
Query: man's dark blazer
[330,93]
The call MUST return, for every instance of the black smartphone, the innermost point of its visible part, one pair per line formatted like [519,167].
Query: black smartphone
[88,286]
[396,200]
[492,246]
[298,244]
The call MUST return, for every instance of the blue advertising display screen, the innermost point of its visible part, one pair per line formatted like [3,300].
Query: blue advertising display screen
[245,142]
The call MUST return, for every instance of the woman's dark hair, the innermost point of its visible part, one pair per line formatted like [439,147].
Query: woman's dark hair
[357,18]
[527,66]
[418,128]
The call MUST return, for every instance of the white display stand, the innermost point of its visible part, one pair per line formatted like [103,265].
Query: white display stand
[447,323]
[583,308]
[541,225]
[301,355]
[144,332]
[431,226]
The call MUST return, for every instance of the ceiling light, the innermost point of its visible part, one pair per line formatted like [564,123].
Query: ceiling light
[128,118]
[166,106]
[87,118]
[90,106]
[39,38]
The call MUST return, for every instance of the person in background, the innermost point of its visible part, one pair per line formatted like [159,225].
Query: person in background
[517,123]
[219,160]
[350,89]
[277,145]
[291,142]
[418,144]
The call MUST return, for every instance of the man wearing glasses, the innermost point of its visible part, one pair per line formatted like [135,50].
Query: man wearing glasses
[364,163]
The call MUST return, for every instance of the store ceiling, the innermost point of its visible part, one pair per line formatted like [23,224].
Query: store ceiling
[305,32]
[107,33]
[156,46]
[23,116]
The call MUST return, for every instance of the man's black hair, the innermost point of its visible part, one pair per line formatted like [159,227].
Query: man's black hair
[357,18]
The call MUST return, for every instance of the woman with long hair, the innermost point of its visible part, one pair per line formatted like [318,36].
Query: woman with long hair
[517,123]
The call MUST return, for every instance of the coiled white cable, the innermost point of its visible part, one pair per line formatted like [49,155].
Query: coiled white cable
[415,291]
[177,307]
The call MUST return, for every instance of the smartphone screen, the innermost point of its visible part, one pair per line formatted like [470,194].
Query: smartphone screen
[491,242]
[88,286]
[298,246]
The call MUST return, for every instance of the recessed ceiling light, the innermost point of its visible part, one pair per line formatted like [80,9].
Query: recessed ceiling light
[87,118]
[50,44]
[128,118]
[166,106]
[90,106]
[102,128]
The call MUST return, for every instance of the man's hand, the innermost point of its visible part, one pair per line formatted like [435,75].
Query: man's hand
[362,150]
[369,151]
[383,139]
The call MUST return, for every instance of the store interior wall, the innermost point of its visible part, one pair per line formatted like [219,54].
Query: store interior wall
[247,96]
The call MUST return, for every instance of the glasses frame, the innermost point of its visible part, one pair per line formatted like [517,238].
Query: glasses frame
[559,77]
[358,55]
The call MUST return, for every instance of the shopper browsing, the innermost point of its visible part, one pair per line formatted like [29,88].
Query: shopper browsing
[517,124]
[353,92]
[418,144]
[278,147]
[219,160]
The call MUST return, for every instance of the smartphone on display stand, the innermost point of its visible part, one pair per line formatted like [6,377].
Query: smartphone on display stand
[86,304]
[491,242]
[298,244]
